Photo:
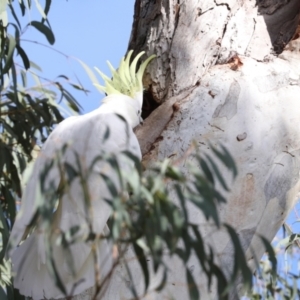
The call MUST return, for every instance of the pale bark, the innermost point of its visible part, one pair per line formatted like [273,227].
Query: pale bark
[223,75]
[226,67]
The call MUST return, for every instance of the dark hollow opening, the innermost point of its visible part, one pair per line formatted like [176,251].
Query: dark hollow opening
[149,104]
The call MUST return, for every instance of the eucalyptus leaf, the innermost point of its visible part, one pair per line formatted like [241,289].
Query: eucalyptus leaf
[192,287]
[23,54]
[143,263]
[45,30]
[9,57]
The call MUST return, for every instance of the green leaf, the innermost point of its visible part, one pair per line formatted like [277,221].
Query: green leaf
[40,9]
[63,76]
[24,78]
[163,282]
[110,185]
[46,10]
[17,33]
[199,247]
[17,295]
[207,206]
[71,172]
[240,262]
[89,72]
[133,179]
[223,286]
[143,263]
[23,7]
[53,270]
[135,159]
[206,171]
[2,294]
[174,173]
[4,234]
[71,101]
[78,87]
[11,205]
[44,30]
[217,173]
[24,57]
[226,158]
[14,14]
[192,287]
[131,283]
[182,199]
[35,66]
[271,254]
[289,241]
[15,83]
[9,57]
[106,134]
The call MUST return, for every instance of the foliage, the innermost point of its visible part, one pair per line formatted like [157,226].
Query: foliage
[149,219]
[274,278]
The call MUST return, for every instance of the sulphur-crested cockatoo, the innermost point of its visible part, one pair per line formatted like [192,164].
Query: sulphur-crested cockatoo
[83,139]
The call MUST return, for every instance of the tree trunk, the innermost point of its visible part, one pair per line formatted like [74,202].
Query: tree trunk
[226,73]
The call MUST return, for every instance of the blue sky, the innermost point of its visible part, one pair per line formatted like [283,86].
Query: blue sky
[93,31]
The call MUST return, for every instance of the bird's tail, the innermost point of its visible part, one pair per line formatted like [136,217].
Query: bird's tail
[33,276]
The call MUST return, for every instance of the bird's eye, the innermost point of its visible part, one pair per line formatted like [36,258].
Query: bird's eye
[139,112]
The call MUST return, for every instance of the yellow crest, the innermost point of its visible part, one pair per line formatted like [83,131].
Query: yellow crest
[125,80]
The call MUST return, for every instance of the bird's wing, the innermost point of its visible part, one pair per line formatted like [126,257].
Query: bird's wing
[85,138]
[31,196]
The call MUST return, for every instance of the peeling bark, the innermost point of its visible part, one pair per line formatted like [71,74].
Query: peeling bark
[189,37]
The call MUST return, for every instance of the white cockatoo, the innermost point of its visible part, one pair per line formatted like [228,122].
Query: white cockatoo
[83,138]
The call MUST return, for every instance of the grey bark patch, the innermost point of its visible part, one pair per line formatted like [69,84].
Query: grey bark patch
[271,82]
[229,108]
[241,136]
[281,180]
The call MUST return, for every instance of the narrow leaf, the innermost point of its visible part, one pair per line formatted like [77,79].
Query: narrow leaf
[218,174]
[9,57]
[40,9]
[24,57]
[271,254]
[163,282]
[14,14]
[227,159]
[143,263]
[89,72]
[2,294]
[35,66]
[192,287]
[45,30]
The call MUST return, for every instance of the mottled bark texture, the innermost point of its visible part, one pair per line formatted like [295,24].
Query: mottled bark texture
[226,72]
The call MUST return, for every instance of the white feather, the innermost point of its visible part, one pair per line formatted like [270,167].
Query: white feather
[84,137]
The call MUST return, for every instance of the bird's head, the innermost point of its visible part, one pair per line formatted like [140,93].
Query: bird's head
[125,81]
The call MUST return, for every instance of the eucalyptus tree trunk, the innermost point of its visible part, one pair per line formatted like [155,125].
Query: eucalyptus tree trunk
[227,72]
